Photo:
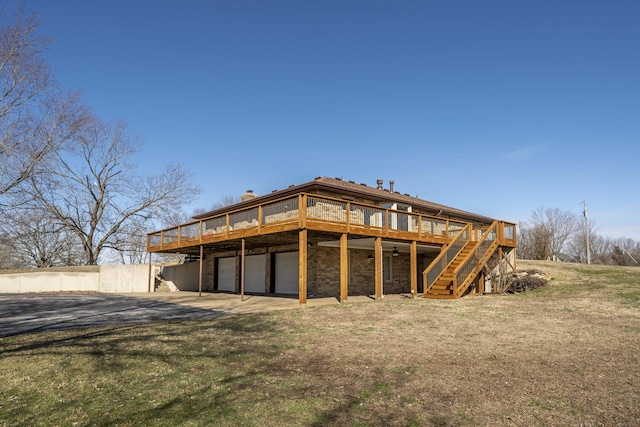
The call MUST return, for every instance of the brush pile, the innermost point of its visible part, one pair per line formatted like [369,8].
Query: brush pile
[528,280]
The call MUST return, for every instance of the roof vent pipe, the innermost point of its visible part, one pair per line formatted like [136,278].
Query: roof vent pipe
[391,186]
[380,182]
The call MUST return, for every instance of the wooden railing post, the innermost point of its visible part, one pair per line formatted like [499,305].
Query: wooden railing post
[378,267]
[387,223]
[302,266]
[344,268]
[413,255]
[348,212]
[228,225]
[259,219]
[302,211]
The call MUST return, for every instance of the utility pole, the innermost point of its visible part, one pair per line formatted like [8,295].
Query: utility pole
[586,231]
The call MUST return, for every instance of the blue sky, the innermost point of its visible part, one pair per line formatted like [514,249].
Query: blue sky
[496,107]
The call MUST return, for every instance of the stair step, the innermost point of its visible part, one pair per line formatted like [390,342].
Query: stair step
[439,292]
[436,296]
[161,286]
[437,288]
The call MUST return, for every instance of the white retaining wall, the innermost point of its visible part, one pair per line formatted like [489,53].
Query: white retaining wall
[110,278]
[182,277]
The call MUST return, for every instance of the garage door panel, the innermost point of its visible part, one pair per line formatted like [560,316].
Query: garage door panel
[227,274]
[255,273]
[287,268]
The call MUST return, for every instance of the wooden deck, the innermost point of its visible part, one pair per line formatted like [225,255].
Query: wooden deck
[317,213]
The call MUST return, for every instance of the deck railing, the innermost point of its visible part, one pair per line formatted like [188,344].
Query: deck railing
[475,258]
[308,211]
[431,274]
[507,234]
[280,211]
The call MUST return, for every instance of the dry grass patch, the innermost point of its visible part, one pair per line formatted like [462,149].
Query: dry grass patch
[566,354]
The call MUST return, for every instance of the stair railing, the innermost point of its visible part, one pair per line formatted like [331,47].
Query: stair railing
[448,253]
[466,271]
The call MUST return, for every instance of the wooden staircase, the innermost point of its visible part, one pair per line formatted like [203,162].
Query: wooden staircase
[444,287]
[460,262]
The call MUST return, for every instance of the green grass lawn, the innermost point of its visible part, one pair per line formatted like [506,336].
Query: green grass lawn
[567,354]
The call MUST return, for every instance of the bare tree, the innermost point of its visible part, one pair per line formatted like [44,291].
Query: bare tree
[7,254]
[625,251]
[93,191]
[39,241]
[130,242]
[35,117]
[534,241]
[556,227]
[599,245]
[227,200]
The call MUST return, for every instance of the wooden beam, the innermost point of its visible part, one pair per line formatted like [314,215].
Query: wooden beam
[302,210]
[378,267]
[344,268]
[302,267]
[241,272]
[149,275]
[201,267]
[413,254]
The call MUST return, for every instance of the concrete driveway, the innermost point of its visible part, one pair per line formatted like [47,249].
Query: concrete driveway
[25,313]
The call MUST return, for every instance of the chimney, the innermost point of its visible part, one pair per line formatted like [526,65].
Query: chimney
[248,196]
[380,182]
[391,186]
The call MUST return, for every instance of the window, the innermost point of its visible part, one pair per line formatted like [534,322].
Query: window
[399,221]
[387,269]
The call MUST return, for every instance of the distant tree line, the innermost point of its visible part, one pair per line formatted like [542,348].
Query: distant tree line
[70,193]
[553,234]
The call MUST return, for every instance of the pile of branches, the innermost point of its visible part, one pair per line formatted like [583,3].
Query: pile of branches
[527,281]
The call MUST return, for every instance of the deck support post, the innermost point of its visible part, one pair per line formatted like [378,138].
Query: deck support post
[242,272]
[302,267]
[378,267]
[201,267]
[344,268]
[149,275]
[413,254]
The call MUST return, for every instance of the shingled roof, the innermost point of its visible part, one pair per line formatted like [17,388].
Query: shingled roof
[351,188]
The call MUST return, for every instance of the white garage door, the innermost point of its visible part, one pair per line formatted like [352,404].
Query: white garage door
[255,273]
[287,273]
[227,274]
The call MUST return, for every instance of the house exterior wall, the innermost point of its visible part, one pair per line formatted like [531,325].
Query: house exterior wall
[183,276]
[208,273]
[362,273]
[323,271]
[400,275]
[327,274]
